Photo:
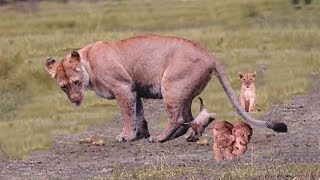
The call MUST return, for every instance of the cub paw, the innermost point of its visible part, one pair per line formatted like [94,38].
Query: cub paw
[230,156]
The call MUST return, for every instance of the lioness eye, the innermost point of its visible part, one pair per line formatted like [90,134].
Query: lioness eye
[76,83]
[64,88]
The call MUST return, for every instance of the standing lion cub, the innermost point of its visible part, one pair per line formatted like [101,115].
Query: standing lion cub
[247,96]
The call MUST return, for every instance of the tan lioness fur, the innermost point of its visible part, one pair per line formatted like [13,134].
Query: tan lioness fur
[223,139]
[147,66]
[242,132]
[247,96]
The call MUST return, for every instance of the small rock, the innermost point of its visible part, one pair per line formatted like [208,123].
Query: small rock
[104,170]
[203,142]
[89,139]
[99,142]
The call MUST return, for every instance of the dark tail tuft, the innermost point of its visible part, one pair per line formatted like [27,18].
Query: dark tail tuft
[201,104]
[277,127]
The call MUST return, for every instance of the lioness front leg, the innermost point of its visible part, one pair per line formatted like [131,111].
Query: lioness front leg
[127,104]
[141,123]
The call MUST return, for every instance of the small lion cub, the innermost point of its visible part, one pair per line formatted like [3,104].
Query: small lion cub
[223,139]
[242,133]
[247,96]
[234,138]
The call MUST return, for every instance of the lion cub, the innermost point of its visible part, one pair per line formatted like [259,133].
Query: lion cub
[233,138]
[242,132]
[247,96]
[223,139]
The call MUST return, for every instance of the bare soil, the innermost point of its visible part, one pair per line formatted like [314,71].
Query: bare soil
[68,159]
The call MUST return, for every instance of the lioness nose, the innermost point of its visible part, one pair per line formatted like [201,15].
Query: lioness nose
[74,97]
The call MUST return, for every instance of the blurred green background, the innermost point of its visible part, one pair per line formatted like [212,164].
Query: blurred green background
[280,39]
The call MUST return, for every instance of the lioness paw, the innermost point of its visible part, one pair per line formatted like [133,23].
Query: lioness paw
[123,138]
[153,139]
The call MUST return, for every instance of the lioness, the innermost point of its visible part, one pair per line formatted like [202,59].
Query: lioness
[242,132]
[247,96]
[147,66]
[199,124]
[223,139]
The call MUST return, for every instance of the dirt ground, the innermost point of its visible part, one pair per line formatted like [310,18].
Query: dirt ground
[69,159]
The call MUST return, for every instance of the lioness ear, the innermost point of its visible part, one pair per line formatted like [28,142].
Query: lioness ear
[75,59]
[50,65]
[240,74]
[75,54]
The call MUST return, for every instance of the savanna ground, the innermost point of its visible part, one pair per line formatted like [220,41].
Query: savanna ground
[279,40]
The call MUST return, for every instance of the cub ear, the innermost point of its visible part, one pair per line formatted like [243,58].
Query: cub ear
[232,138]
[50,65]
[234,130]
[254,74]
[240,74]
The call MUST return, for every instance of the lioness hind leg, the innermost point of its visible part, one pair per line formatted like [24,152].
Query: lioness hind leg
[187,117]
[141,123]
[175,120]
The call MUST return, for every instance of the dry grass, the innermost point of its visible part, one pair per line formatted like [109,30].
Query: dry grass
[268,36]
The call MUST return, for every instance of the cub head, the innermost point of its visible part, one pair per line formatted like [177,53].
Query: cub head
[68,75]
[223,137]
[242,132]
[247,78]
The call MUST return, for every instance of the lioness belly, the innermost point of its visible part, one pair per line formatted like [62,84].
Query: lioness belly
[148,90]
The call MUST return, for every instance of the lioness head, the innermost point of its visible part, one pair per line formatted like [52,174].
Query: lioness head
[68,75]
[247,78]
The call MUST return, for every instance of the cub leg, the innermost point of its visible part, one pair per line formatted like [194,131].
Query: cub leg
[228,152]
[252,105]
[242,103]
[238,149]
[217,153]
